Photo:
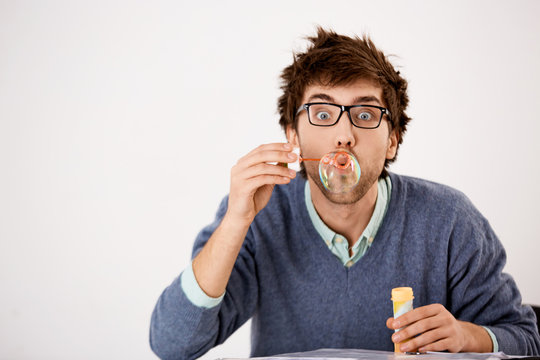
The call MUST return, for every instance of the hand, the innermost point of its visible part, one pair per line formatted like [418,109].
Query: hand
[253,179]
[433,328]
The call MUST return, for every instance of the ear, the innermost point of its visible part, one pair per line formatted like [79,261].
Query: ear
[292,136]
[393,140]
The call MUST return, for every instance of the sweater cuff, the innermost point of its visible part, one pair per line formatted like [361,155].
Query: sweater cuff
[493,339]
[194,293]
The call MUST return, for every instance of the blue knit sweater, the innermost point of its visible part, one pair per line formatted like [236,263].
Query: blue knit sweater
[302,298]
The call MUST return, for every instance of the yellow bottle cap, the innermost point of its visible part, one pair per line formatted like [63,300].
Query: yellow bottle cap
[402,294]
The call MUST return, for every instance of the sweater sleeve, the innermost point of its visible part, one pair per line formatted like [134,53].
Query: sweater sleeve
[479,292]
[180,329]
[193,291]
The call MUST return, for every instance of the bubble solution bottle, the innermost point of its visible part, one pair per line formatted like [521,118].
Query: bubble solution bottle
[402,298]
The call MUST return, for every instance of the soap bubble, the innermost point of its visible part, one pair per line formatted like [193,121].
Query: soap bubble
[339,171]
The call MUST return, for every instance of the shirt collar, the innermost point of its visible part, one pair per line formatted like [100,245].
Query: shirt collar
[384,188]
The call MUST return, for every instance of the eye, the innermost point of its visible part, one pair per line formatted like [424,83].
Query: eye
[323,115]
[364,116]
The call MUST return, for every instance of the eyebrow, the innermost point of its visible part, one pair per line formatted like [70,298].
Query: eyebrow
[321,96]
[356,100]
[366,99]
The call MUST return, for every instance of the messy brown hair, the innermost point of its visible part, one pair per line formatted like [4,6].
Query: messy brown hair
[334,60]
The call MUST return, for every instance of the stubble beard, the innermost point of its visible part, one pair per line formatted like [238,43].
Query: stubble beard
[368,177]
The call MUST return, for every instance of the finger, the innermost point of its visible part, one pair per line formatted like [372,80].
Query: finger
[267,169]
[270,156]
[239,174]
[440,345]
[421,326]
[423,340]
[267,155]
[272,146]
[251,185]
[417,314]
[261,180]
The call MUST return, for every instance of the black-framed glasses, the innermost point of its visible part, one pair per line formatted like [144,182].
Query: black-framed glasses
[328,114]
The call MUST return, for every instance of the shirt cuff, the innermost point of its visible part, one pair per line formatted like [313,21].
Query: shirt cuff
[493,339]
[194,293]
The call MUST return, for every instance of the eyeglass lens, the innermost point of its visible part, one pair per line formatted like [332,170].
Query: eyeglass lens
[362,116]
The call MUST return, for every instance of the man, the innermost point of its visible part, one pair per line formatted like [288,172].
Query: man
[315,269]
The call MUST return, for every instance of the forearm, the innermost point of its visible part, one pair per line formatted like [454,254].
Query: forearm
[212,267]
[182,329]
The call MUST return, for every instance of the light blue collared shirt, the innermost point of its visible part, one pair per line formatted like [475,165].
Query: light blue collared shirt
[338,243]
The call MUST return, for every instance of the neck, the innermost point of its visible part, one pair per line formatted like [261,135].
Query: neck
[349,220]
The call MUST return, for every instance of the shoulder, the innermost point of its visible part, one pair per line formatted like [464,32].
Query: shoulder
[438,208]
[428,194]
[445,212]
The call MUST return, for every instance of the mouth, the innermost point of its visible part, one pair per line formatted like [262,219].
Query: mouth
[342,159]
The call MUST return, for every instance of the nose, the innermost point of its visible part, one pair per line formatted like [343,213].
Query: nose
[344,132]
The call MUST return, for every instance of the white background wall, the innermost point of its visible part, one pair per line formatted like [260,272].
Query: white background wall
[119,122]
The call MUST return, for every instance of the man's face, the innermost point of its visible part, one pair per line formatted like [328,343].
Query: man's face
[370,146]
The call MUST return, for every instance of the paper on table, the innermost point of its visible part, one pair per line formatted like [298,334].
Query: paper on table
[356,354]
